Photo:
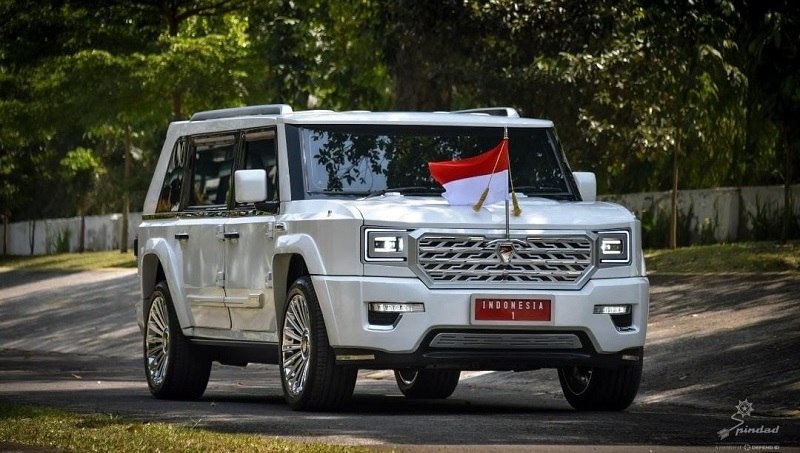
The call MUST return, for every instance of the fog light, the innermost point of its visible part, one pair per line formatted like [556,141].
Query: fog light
[612,309]
[391,307]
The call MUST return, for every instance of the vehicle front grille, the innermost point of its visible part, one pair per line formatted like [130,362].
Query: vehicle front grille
[466,260]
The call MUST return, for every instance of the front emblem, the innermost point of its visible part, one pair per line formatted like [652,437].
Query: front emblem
[505,252]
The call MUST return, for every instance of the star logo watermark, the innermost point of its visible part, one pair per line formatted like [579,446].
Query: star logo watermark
[744,409]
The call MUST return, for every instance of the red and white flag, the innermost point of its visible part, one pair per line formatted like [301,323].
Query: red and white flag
[466,180]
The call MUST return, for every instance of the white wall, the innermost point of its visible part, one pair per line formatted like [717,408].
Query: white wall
[102,233]
[729,210]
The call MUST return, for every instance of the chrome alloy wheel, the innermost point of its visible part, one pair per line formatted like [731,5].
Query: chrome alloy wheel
[296,345]
[577,379]
[157,341]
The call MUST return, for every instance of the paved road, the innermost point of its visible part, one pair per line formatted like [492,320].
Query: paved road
[69,340]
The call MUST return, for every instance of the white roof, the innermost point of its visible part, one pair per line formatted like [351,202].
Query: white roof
[360,117]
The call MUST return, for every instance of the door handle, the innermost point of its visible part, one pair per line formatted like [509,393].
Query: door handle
[182,236]
[231,235]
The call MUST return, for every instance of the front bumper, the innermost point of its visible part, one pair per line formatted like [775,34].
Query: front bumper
[415,339]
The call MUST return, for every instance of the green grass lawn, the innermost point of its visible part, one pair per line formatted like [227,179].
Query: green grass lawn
[724,258]
[60,430]
[70,261]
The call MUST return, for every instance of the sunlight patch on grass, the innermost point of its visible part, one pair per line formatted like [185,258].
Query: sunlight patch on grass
[745,257]
[70,261]
[56,429]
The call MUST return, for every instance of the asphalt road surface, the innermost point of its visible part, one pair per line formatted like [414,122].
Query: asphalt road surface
[70,341]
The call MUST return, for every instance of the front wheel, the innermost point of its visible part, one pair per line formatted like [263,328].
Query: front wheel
[175,369]
[600,389]
[310,378]
[427,383]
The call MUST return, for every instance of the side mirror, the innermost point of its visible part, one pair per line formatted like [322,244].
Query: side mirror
[250,186]
[587,185]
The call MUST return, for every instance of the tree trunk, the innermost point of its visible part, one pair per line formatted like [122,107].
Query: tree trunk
[415,89]
[126,198]
[5,235]
[673,227]
[32,234]
[788,205]
[81,239]
[177,105]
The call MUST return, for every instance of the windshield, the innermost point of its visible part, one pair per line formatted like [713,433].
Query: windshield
[361,160]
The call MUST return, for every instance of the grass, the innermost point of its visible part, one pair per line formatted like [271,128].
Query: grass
[61,430]
[745,257]
[70,261]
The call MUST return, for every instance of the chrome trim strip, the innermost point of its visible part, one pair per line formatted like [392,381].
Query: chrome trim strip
[506,341]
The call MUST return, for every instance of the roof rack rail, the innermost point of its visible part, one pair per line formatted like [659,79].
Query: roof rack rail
[492,111]
[267,109]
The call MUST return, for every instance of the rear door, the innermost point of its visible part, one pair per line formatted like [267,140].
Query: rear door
[201,230]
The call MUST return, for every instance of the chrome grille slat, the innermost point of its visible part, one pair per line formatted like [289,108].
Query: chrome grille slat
[543,260]
[505,341]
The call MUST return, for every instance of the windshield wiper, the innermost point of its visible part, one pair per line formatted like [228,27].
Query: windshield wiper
[410,190]
[540,189]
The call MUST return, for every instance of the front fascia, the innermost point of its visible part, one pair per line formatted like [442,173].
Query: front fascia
[450,309]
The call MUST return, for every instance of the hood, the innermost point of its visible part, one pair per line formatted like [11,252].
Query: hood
[537,213]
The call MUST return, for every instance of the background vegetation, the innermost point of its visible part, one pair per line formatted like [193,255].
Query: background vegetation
[651,95]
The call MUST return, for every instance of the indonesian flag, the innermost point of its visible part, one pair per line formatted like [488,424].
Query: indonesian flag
[466,180]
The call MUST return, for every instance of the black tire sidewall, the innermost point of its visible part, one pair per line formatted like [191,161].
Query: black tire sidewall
[327,386]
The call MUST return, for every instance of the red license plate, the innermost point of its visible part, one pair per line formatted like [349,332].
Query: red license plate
[497,309]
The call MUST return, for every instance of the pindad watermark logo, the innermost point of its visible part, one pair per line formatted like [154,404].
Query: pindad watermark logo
[745,409]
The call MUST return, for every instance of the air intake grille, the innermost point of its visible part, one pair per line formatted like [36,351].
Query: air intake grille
[456,260]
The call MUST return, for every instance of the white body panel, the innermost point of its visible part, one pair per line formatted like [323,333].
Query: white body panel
[227,270]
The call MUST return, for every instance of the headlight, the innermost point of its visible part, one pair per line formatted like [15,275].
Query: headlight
[614,247]
[385,245]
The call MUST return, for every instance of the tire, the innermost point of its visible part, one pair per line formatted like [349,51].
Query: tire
[427,383]
[310,378]
[600,389]
[175,369]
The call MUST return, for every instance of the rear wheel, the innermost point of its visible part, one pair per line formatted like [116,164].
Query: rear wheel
[310,378]
[175,369]
[427,383]
[600,389]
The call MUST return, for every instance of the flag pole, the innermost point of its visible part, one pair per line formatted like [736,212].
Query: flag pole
[508,216]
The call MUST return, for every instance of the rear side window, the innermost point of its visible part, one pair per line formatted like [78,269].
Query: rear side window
[169,199]
[211,170]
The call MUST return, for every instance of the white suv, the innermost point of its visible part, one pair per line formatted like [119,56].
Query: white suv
[320,242]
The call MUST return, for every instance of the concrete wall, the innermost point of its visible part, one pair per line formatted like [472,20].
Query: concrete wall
[728,212]
[102,233]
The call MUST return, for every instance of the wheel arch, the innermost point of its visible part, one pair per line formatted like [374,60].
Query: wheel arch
[287,268]
[152,270]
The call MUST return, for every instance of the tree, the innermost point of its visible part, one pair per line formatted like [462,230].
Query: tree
[82,169]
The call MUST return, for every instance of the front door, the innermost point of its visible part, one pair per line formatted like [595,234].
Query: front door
[250,247]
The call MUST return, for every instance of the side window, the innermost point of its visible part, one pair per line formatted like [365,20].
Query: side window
[211,170]
[169,199]
[260,150]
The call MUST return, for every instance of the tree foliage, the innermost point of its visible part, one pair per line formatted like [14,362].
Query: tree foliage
[648,94]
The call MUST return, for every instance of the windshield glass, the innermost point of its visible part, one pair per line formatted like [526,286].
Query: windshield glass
[362,159]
